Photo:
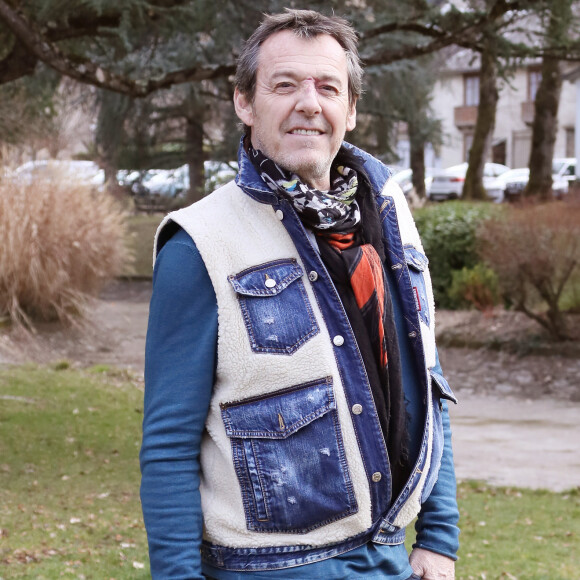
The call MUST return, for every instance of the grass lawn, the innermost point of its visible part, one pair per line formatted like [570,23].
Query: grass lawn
[69,475]
[511,533]
[69,480]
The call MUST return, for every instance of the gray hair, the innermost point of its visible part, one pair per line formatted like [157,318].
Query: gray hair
[306,24]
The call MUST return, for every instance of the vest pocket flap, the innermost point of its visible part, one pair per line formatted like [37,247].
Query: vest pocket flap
[443,386]
[281,414]
[415,259]
[266,279]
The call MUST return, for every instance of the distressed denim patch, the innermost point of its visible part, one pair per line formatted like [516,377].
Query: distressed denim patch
[277,313]
[289,458]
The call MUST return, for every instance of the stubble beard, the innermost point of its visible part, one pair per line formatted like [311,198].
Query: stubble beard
[313,170]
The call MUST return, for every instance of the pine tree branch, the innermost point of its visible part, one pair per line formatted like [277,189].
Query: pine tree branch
[42,49]
[18,63]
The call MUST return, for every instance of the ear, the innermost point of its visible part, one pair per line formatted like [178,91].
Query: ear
[244,109]
[351,117]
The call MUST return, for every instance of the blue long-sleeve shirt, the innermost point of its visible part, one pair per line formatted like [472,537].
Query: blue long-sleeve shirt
[179,375]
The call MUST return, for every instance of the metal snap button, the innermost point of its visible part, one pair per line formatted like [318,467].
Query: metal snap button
[377,476]
[357,409]
[338,340]
[270,283]
[313,276]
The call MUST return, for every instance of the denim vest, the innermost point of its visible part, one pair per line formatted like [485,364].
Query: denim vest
[294,465]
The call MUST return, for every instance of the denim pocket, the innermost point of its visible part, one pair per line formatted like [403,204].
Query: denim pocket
[289,457]
[275,306]
[417,264]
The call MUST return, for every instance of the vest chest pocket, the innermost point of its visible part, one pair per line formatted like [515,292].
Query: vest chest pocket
[289,458]
[275,306]
[417,264]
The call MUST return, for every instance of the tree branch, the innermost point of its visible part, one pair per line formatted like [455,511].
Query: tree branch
[43,49]
[389,56]
[18,63]
[406,26]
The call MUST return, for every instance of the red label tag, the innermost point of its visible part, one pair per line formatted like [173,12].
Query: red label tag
[417,299]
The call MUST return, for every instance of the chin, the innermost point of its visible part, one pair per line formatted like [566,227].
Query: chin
[317,164]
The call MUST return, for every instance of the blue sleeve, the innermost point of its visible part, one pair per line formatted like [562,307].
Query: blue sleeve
[436,526]
[179,373]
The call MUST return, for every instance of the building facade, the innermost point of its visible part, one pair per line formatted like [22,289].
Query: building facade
[455,101]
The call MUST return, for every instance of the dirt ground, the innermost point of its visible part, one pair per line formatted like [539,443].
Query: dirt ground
[518,418]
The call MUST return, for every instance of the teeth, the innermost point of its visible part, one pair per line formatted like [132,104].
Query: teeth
[305,132]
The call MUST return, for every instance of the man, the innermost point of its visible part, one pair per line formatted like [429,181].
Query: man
[295,412]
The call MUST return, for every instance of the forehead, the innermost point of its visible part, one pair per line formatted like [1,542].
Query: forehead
[285,53]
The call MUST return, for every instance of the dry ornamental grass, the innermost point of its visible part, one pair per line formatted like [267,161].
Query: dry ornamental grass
[61,240]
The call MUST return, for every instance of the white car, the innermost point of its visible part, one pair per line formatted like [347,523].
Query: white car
[448,184]
[87,172]
[404,177]
[509,183]
[563,172]
[173,183]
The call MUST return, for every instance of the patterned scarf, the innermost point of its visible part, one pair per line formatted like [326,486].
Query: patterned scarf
[336,209]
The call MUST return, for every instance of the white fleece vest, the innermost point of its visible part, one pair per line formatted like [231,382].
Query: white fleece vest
[233,232]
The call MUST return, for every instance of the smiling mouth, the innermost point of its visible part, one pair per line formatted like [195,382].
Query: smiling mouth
[307,132]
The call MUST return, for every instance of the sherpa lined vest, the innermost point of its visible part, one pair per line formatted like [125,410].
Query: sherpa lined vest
[283,476]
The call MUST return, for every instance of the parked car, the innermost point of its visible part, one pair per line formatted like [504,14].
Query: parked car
[448,184]
[563,172]
[169,183]
[160,188]
[87,172]
[404,177]
[513,180]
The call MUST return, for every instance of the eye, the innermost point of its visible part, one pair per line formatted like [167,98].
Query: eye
[284,86]
[329,89]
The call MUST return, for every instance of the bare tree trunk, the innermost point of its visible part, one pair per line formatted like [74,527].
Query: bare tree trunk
[544,131]
[545,124]
[195,158]
[417,160]
[484,126]
[113,111]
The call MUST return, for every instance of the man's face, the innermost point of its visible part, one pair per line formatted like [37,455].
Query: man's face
[301,109]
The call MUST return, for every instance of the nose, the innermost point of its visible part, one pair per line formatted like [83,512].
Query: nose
[307,102]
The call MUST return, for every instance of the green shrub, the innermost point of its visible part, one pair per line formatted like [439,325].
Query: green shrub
[61,241]
[448,231]
[477,286]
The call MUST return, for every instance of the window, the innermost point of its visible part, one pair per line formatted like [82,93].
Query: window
[471,83]
[534,78]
